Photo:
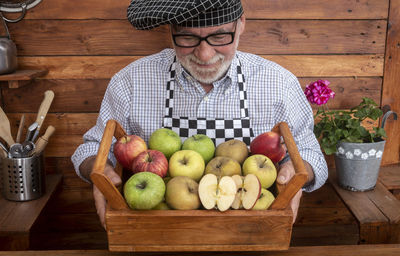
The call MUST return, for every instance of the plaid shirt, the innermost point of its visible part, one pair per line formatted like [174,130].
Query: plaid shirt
[135,97]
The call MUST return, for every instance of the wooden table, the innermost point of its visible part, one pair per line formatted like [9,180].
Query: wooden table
[389,176]
[17,218]
[377,212]
[342,250]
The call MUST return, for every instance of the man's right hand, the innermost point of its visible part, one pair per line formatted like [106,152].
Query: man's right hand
[99,200]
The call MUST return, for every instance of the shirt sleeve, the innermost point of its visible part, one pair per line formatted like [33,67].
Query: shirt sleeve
[114,106]
[297,112]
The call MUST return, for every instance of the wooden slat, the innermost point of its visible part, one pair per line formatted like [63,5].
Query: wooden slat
[391,88]
[344,250]
[390,176]
[374,225]
[104,67]
[117,37]
[254,9]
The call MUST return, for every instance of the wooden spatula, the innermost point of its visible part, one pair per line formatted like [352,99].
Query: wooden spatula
[5,130]
[43,109]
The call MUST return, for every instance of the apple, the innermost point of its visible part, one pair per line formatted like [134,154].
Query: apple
[248,191]
[235,149]
[144,190]
[202,144]
[182,193]
[127,148]
[223,166]
[151,161]
[161,206]
[217,193]
[165,140]
[268,144]
[187,163]
[262,167]
[264,201]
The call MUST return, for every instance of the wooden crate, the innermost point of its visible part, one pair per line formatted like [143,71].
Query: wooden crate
[197,230]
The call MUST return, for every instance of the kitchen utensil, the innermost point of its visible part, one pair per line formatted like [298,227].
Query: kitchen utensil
[28,146]
[16,150]
[8,51]
[43,109]
[20,127]
[17,6]
[42,141]
[5,150]
[5,131]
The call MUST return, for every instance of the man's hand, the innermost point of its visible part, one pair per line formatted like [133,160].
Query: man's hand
[99,200]
[286,173]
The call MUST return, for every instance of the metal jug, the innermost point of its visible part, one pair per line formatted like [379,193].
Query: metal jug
[8,52]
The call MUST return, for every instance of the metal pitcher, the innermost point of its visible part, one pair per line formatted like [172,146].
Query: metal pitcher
[8,52]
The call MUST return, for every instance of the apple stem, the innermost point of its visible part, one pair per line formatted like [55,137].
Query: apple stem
[142,185]
[149,158]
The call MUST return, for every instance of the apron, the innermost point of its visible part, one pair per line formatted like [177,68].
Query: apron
[218,129]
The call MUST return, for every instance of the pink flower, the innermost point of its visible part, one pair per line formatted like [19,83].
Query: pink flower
[318,92]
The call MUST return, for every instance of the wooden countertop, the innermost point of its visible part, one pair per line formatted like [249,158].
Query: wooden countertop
[342,250]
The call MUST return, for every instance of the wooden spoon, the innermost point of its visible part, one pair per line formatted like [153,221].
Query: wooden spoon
[5,130]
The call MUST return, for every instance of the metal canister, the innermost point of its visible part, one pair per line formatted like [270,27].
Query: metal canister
[8,52]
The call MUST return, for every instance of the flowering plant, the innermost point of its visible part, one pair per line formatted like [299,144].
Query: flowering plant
[333,126]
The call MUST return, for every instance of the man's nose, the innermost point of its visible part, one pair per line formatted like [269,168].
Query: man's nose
[204,51]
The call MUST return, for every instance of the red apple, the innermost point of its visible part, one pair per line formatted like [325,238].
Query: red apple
[269,145]
[127,148]
[151,161]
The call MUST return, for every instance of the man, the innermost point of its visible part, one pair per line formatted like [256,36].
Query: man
[203,85]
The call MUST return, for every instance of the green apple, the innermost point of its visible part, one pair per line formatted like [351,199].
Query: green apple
[182,193]
[262,167]
[235,149]
[187,163]
[223,166]
[144,190]
[264,201]
[202,144]
[165,140]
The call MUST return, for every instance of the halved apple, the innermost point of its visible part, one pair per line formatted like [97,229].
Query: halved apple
[214,193]
[248,191]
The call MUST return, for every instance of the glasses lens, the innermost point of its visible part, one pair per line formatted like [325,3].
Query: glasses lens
[186,40]
[220,39]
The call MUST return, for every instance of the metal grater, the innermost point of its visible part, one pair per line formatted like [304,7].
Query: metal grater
[23,178]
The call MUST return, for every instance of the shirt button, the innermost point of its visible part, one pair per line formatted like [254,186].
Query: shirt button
[205,98]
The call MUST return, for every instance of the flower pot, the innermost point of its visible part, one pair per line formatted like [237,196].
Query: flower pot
[358,164]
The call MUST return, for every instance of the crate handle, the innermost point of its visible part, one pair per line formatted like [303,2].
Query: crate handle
[287,192]
[102,182]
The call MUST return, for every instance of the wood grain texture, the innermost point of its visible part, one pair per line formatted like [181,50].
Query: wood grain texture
[389,176]
[391,89]
[254,9]
[87,37]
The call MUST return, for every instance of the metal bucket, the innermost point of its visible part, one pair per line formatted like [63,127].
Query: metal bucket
[23,178]
[358,164]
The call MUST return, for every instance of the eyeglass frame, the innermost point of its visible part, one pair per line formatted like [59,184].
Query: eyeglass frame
[232,34]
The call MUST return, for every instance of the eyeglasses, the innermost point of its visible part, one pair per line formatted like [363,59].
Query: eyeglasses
[217,39]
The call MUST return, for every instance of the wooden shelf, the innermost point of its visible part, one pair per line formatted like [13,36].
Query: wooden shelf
[21,77]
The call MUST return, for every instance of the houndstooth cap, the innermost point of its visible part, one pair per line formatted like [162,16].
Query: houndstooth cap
[148,14]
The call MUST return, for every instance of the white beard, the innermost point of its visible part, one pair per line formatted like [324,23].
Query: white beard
[205,75]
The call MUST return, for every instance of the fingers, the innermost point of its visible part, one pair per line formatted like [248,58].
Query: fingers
[99,200]
[286,172]
[100,203]
[295,203]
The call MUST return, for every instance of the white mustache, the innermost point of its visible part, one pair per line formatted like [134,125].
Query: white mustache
[215,59]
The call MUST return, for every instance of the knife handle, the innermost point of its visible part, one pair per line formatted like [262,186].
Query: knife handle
[44,108]
[42,141]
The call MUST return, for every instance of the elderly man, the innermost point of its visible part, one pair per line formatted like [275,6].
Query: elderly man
[203,85]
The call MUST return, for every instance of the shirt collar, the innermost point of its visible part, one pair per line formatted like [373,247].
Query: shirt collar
[186,80]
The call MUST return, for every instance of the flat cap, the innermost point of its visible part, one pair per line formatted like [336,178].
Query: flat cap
[148,14]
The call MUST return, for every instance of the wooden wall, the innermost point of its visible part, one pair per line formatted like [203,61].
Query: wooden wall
[83,43]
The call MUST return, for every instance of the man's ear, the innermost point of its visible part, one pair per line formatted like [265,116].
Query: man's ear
[242,24]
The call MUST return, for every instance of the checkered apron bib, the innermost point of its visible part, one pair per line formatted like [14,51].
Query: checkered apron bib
[219,130]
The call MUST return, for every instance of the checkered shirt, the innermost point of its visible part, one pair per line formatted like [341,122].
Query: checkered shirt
[135,98]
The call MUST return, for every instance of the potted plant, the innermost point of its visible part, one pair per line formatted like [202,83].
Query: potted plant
[358,150]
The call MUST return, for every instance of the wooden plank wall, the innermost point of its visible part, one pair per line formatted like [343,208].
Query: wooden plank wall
[83,43]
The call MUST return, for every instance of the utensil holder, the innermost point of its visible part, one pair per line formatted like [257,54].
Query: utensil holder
[23,178]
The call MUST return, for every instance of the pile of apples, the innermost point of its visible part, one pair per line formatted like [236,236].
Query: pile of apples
[169,174]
